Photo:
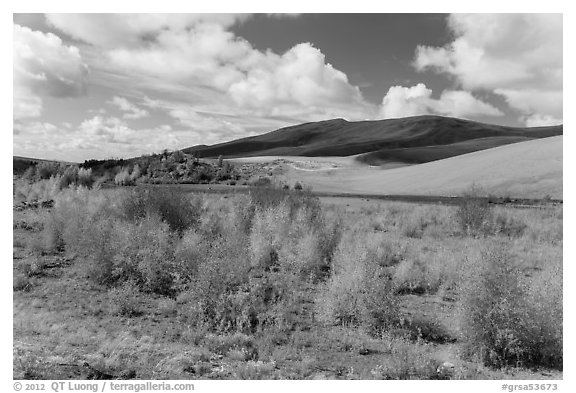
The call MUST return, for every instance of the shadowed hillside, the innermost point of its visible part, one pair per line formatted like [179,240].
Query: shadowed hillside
[411,140]
[20,164]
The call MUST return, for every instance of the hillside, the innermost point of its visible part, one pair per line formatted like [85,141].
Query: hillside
[531,169]
[20,164]
[411,140]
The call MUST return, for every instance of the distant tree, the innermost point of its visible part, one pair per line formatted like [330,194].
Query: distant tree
[123,178]
[220,161]
[298,186]
[178,156]
[85,178]
[136,173]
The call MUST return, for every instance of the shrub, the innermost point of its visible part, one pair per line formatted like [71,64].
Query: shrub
[413,276]
[52,239]
[85,178]
[358,292]
[124,300]
[203,174]
[39,191]
[507,225]
[101,252]
[46,169]
[71,222]
[266,197]
[309,245]
[122,178]
[136,173]
[69,177]
[269,230]
[261,182]
[190,252]
[499,323]
[414,227]
[474,214]
[241,214]
[174,207]
[144,253]
[298,186]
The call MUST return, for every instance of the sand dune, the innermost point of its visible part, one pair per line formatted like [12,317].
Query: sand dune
[530,169]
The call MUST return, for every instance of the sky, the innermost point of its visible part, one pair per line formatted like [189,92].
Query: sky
[105,85]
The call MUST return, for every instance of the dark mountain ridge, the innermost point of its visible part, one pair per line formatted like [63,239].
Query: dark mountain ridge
[412,140]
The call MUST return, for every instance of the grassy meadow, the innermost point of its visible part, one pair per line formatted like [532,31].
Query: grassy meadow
[149,282]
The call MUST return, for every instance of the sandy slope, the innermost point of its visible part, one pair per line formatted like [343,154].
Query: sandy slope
[530,169]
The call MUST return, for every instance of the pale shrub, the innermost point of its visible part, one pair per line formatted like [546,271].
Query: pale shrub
[501,322]
[122,178]
[270,228]
[39,191]
[85,178]
[191,250]
[144,253]
[414,276]
[359,292]
[474,214]
[74,214]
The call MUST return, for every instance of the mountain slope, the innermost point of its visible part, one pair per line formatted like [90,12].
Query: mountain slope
[388,140]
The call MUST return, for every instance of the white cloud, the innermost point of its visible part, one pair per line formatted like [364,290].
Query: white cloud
[131,110]
[417,100]
[116,30]
[517,56]
[25,104]
[301,76]
[44,66]
[541,120]
[201,52]
[206,55]
[460,103]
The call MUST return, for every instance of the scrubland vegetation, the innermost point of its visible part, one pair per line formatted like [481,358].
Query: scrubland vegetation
[41,181]
[149,282]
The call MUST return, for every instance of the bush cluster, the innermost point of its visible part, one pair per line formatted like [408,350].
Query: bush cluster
[502,323]
[359,291]
[174,207]
[274,261]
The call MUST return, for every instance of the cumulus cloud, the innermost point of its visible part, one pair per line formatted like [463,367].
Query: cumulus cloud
[417,100]
[96,137]
[44,66]
[517,56]
[201,51]
[300,75]
[296,83]
[131,110]
[541,120]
